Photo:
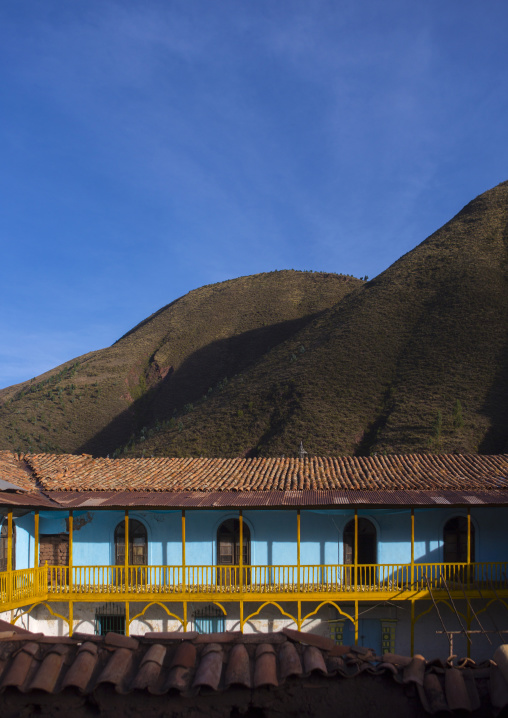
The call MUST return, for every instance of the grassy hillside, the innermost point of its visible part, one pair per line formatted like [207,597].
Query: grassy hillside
[415,360]
[181,353]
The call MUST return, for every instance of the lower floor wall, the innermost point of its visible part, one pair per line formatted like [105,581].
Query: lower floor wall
[384,627]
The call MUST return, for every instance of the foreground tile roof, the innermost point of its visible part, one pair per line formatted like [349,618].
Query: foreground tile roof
[178,664]
[417,472]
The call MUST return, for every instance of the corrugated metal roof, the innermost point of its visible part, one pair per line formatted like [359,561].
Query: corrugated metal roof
[273,499]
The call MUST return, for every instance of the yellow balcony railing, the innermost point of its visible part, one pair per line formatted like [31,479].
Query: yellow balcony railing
[248,582]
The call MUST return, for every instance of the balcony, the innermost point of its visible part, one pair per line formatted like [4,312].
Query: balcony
[253,583]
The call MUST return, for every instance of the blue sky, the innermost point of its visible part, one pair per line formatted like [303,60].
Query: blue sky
[148,148]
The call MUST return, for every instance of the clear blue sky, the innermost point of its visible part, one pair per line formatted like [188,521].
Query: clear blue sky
[148,148]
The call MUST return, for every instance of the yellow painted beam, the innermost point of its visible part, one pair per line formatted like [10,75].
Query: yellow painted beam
[71,541]
[185,616]
[127,619]
[184,577]
[9,540]
[126,547]
[412,548]
[355,558]
[298,539]
[9,555]
[240,557]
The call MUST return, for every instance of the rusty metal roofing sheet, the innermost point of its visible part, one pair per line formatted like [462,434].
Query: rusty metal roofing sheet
[33,499]
[272,499]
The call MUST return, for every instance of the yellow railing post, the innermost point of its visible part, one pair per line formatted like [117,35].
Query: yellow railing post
[240,562]
[126,559]
[412,549]
[71,538]
[9,555]
[355,558]
[298,537]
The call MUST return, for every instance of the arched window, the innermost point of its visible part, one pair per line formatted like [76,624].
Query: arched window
[228,543]
[455,540]
[367,542]
[228,552]
[138,554]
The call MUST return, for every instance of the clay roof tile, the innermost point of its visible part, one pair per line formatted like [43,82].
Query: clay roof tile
[81,670]
[49,671]
[289,661]
[23,665]
[238,668]
[209,670]
[265,668]
[117,668]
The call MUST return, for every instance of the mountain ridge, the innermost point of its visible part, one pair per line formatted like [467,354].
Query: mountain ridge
[415,360]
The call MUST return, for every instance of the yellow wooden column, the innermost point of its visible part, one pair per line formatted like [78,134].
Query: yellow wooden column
[71,617]
[36,553]
[9,555]
[36,539]
[126,556]
[412,549]
[71,541]
[184,577]
[298,538]
[126,571]
[355,558]
[240,563]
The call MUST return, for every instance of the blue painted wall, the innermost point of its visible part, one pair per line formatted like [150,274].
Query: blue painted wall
[273,535]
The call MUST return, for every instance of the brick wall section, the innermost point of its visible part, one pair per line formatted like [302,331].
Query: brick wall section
[54,549]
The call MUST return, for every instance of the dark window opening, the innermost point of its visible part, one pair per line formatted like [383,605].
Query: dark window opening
[209,619]
[228,552]
[109,619]
[455,541]
[367,542]
[228,543]
[137,544]
[4,542]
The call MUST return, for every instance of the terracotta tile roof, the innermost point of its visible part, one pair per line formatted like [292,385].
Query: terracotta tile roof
[177,664]
[420,472]
[15,471]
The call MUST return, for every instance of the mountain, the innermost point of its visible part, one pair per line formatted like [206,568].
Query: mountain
[184,352]
[415,360]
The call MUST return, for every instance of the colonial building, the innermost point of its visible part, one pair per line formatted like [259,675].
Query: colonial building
[396,553]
